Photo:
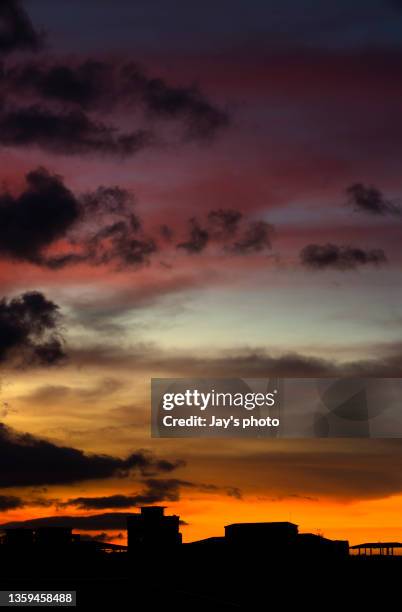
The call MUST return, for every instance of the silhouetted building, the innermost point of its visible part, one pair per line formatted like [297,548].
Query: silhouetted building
[42,538]
[18,538]
[381,549]
[152,528]
[274,535]
[212,541]
[53,537]
[284,538]
[311,544]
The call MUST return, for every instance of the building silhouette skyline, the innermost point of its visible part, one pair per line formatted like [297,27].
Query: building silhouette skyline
[230,569]
[151,528]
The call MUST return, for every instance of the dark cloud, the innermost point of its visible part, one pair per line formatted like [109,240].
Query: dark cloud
[49,352]
[156,490]
[84,85]
[384,361]
[251,363]
[102,503]
[202,119]
[122,245]
[34,461]
[94,85]
[336,469]
[370,200]
[198,239]
[319,257]
[256,238]
[16,29]
[102,227]
[68,106]
[110,200]
[10,502]
[42,502]
[110,520]
[221,226]
[30,330]
[99,227]
[68,132]
[57,262]
[50,394]
[109,231]
[224,222]
[40,215]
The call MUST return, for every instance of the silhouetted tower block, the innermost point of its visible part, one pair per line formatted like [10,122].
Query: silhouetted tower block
[152,529]
[54,538]
[278,536]
[19,538]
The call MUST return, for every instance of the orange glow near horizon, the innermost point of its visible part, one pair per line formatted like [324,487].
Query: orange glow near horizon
[372,520]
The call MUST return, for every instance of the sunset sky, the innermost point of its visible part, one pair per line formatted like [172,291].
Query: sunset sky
[196,189]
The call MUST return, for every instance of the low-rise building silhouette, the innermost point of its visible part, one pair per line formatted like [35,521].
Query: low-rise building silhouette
[53,537]
[151,528]
[380,549]
[312,544]
[277,534]
[18,538]
[283,538]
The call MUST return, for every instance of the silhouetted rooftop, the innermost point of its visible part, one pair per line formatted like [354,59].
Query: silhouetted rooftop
[211,540]
[265,524]
[378,545]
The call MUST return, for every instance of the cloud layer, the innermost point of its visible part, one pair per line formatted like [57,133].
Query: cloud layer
[326,256]
[156,490]
[33,461]
[370,200]
[81,109]
[30,331]
[102,227]
[67,132]
[37,217]
[16,29]
[110,520]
